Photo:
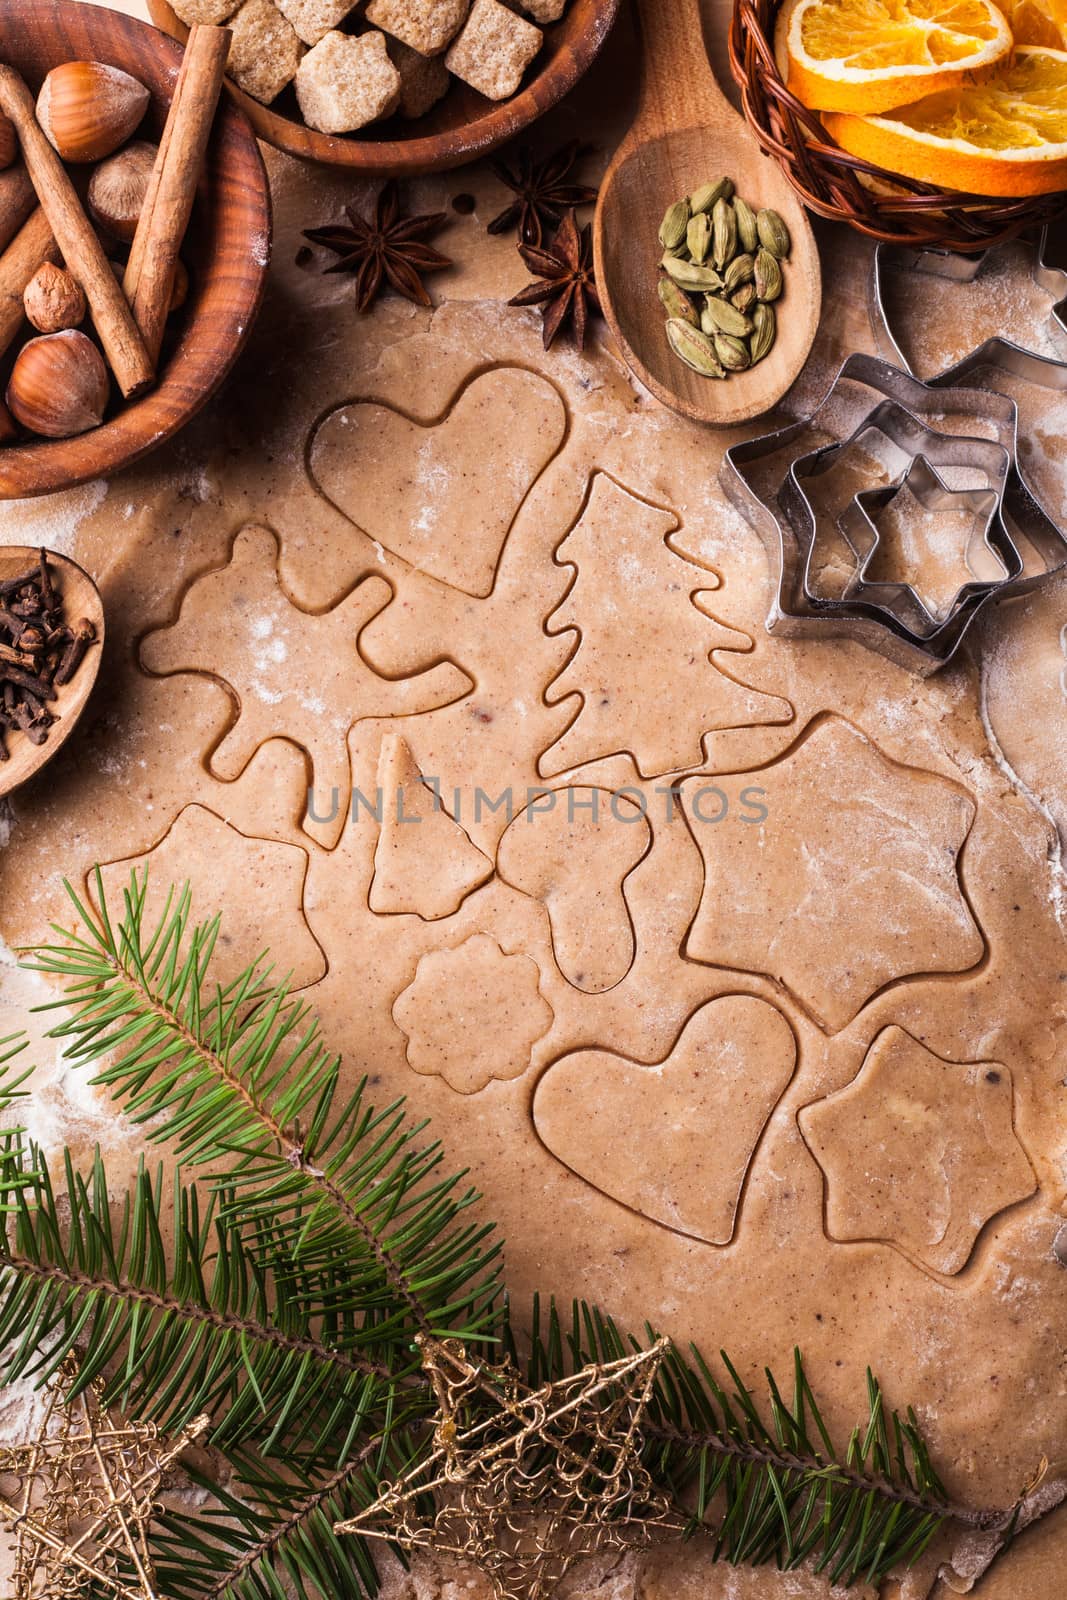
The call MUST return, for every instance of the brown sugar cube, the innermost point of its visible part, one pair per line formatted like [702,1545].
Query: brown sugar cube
[425,25]
[312,19]
[265,52]
[346,82]
[211,12]
[494,50]
[543,11]
[423,79]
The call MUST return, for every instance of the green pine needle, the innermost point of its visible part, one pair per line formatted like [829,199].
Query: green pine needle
[316,1239]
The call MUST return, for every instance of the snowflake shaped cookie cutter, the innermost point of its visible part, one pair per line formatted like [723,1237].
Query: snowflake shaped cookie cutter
[775,501]
[1009,355]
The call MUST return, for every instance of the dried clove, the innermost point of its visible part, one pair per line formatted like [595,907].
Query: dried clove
[39,653]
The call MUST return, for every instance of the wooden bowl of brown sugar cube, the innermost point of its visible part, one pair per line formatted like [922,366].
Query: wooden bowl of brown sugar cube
[101,361]
[398,86]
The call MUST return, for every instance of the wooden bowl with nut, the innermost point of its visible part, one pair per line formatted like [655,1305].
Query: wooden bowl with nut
[135,231]
[392,87]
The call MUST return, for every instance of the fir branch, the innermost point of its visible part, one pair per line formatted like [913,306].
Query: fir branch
[780,1491]
[198,1327]
[237,1078]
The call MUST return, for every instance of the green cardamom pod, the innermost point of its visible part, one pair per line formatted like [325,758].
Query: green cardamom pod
[744,298]
[773,233]
[732,353]
[690,274]
[719,316]
[704,198]
[746,225]
[768,275]
[672,228]
[676,303]
[698,236]
[692,347]
[738,272]
[723,233]
[764,328]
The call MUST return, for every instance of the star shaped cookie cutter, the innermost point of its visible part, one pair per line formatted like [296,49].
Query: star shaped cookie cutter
[775,502]
[859,523]
[1031,523]
[914,441]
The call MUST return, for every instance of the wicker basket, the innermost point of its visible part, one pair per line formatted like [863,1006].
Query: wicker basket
[844,188]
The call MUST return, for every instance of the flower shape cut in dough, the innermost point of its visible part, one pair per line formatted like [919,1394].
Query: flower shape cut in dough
[472,1014]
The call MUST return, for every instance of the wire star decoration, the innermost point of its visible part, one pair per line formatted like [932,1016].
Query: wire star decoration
[549,1476]
[80,1496]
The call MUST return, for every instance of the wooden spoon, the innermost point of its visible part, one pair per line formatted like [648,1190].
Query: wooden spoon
[685,134]
[81,598]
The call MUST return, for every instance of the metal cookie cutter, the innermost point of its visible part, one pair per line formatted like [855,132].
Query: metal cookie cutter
[1031,523]
[923,449]
[777,505]
[1048,371]
[921,480]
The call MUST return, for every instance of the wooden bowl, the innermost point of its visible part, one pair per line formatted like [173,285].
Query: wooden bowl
[81,598]
[227,249]
[461,127]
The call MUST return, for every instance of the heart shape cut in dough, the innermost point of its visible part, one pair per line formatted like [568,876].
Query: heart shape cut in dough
[443,496]
[673,1140]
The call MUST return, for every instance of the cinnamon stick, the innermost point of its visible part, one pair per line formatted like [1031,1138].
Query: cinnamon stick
[32,246]
[17,201]
[83,254]
[168,206]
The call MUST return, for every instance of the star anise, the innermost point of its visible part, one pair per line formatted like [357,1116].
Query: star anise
[386,249]
[541,191]
[566,285]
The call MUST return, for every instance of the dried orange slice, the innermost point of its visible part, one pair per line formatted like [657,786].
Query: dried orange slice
[871,55]
[1039,22]
[1007,136]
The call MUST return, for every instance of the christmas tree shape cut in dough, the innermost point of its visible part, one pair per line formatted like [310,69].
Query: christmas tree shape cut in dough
[850,882]
[918,1151]
[424,861]
[573,850]
[472,1015]
[443,495]
[643,661]
[673,1140]
[293,674]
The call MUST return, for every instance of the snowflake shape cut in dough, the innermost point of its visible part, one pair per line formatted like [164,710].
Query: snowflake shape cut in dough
[849,883]
[918,1151]
[473,1014]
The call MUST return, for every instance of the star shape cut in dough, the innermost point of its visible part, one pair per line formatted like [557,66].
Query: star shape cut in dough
[918,1151]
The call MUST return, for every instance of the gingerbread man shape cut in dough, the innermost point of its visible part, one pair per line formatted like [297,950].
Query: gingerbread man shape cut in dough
[293,674]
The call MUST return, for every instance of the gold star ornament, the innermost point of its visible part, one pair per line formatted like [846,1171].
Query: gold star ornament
[527,1481]
[77,1500]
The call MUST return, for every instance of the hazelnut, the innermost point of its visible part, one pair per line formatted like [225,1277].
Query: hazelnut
[53,299]
[59,385]
[9,142]
[118,187]
[87,109]
[8,430]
